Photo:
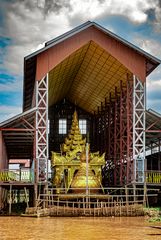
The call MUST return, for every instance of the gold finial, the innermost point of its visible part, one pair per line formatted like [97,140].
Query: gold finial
[75,116]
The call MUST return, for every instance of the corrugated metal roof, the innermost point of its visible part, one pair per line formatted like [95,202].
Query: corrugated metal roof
[18,133]
[31,60]
[15,118]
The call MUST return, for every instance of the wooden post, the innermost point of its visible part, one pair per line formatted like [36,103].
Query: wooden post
[89,207]
[127,204]
[94,209]
[73,208]
[44,197]
[79,207]
[97,203]
[87,167]
[111,206]
[35,195]
[83,206]
[106,209]
[47,196]
[145,194]
[57,207]
[10,200]
[115,207]
[26,197]
[126,192]
[64,209]
[134,192]
[101,207]
[120,208]
[52,197]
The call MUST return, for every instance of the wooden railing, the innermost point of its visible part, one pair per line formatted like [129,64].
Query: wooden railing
[27,175]
[16,175]
[153,177]
[125,201]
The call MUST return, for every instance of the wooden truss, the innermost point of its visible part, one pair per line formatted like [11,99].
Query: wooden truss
[120,132]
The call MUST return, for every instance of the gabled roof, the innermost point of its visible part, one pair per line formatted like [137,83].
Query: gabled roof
[37,64]
[84,26]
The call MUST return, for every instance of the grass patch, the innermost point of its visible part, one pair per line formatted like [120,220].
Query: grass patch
[153,213]
[155,219]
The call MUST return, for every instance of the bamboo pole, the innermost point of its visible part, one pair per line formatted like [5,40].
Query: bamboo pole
[127,204]
[120,208]
[73,208]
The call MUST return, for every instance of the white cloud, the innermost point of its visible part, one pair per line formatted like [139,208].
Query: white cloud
[153,83]
[153,86]
[28,29]
[30,23]
[157,22]
[15,86]
[154,105]
[151,46]
[91,9]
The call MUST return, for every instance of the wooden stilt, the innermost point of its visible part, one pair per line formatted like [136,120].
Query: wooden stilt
[145,194]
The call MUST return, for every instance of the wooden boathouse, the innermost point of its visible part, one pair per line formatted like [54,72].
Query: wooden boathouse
[103,77]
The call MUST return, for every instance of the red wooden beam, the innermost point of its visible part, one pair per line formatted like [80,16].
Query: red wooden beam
[32,127]
[17,129]
[129,114]
[152,125]
[121,133]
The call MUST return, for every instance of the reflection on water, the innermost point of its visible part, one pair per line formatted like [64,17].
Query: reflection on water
[77,228]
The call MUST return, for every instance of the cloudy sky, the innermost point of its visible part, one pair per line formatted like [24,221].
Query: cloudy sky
[26,24]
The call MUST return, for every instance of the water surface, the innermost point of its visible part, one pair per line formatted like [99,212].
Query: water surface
[21,228]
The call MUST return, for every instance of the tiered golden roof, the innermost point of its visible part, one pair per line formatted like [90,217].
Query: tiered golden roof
[74,142]
[66,163]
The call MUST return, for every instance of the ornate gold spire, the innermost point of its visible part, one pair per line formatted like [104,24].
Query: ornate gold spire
[74,139]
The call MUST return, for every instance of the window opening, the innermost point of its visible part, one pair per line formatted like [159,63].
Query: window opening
[62,126]
[83,126]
